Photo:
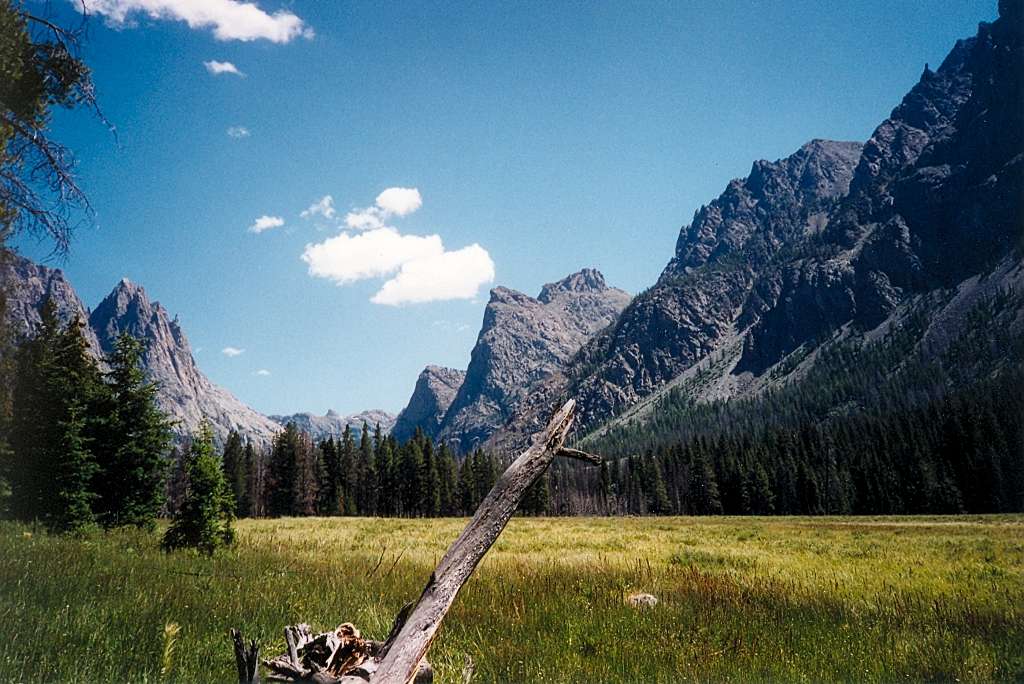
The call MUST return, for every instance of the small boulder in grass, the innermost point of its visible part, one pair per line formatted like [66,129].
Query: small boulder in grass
[642,600]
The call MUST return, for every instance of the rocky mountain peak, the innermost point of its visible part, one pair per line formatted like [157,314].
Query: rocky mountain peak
[333,424]
[585,280]
[28,285]
[435,389]
[776,203]
[927,207]
[128,309]
[522,340]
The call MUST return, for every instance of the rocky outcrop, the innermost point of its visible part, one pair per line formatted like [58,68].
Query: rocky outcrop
[834,241]
[27,286]
[522,341]
[935,199]
[185,393]
[333,423]
[695,306]
[434,392]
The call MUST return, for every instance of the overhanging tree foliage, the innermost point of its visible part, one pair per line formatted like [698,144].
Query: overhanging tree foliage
[40,69]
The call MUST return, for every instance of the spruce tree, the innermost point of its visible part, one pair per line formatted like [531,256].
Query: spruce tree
[348,483]
[410,474]
[205,519]
[282,474]
[55,407]
[430,482]
[233,461]
[367,474]
[466,497]
[330,472]
[448,480]
[485,472]
[307,476]
[388,497]
[137,440]
[245,506]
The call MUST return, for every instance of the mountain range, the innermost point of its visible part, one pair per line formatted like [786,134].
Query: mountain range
[841,243]
[185,393]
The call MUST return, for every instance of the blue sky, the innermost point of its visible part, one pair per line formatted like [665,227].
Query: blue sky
[553,136]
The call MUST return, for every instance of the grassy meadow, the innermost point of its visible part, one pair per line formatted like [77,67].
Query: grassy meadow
[794,599]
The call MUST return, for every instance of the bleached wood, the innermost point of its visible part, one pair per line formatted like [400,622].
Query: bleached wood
[399,664]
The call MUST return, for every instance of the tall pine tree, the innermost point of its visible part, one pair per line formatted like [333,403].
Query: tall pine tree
[136,443]
[205,518]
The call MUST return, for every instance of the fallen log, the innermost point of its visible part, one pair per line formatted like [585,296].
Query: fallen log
[343,657]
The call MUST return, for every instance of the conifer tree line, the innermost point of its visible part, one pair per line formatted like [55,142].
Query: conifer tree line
[961,453]
[372,475]
[84,446]
[870,429]
[87,446]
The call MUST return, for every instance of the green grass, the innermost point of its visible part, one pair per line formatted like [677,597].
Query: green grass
[795,599]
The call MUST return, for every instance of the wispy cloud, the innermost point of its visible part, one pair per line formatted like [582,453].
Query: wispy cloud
[419,267]
[262,372]
[266,223]
[229,19]
[238,132]
[323,207]
[232,351]
[217,68]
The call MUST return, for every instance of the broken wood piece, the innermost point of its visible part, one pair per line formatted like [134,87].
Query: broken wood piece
[566,452]
[246,659]
[344,657]
[399,664]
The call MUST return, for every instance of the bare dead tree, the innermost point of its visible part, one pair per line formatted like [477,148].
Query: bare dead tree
[343,657]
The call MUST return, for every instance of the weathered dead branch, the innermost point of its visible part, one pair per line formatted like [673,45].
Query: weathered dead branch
[344,657]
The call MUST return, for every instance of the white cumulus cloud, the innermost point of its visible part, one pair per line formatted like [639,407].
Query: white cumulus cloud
[217,68]
[347,258]
[238,132]
[418,268]
[391,202]
[266,223]
[400,201]
[263,372]
[323,207]
[229,19]
[232,351]
[449,275]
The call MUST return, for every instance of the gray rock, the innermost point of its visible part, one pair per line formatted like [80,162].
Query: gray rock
[434,392]
[834,241]
[522,341]
[28,285]
[185,393]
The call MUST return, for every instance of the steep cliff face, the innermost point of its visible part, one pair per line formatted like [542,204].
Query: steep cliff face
[523,340]
[936,198]
[434,392]
[836,241]
[27,286]
[696,304]
[185,394]
[333,423]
